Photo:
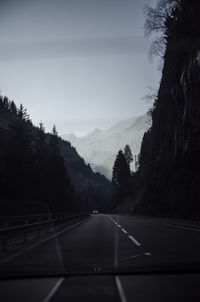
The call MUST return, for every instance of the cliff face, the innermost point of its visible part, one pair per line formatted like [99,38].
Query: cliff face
[169,173]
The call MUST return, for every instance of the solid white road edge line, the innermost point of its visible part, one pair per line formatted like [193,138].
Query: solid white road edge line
[54,289]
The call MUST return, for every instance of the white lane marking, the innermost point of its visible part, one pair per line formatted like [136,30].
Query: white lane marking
[54,289]
[130,237]
[9,258]
[123,230]
[147,254]
[120,289]
[134,240]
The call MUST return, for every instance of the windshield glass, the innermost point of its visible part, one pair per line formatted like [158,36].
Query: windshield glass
[99,137]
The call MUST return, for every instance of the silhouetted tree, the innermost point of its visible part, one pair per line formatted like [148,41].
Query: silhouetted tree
[5,102]
[120,177]
[33,171]
[121,170]
[60,188]
[41,164]
[13,108]
[128,154]
[54,142]
[18,159]
[159,20]
[40,142]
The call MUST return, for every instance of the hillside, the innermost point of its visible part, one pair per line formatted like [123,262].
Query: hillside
[99,148]
[91,190]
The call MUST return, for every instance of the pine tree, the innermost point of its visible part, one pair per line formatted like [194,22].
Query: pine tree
[40,164]
[121,170]
[40,143]
[13,108]
[18,159]
[60,192]
[54,143]
[128,154]
[5,103]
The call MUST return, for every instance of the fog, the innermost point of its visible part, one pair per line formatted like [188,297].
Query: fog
[74,62]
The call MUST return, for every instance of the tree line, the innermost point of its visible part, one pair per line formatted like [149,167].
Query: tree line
[31,165]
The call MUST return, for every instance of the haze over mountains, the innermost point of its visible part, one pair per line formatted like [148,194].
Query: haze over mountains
[99,148]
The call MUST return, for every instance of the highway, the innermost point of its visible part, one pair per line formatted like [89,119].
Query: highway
[109,258]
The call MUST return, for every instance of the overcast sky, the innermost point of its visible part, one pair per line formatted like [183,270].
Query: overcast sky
[74,62]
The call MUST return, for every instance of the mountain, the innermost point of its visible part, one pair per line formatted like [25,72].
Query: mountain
[99,148]
[91,189]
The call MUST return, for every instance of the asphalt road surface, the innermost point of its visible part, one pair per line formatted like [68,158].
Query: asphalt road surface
[109,258]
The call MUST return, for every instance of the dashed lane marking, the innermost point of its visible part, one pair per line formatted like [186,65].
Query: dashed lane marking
[130,236]
[134,240]
[147,254]
[123,230]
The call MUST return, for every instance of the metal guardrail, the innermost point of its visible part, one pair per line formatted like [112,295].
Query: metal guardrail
[34,224]
[8,221]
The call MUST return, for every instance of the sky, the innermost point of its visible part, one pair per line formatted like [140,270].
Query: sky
[81,64]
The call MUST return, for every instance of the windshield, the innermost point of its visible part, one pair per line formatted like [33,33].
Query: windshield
[99,137]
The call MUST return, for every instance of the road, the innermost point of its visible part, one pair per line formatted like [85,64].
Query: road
[103,244]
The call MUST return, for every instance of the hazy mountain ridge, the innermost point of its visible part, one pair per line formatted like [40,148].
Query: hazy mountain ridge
[99,148]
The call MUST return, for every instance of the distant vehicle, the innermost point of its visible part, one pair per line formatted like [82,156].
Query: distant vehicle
[95,212]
